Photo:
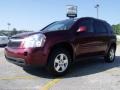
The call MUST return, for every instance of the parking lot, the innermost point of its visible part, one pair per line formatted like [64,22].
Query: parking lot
[92,74]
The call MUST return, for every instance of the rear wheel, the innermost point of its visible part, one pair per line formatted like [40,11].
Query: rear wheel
[110,57]
[59,62]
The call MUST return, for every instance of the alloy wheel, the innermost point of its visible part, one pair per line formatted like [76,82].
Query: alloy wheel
[61,62]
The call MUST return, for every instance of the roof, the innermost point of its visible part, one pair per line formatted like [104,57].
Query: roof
[93,18]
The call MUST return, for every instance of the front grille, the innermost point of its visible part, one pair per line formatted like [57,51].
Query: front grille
[14,43]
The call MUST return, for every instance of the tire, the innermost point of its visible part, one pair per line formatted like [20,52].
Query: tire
[110,57]
[59,62]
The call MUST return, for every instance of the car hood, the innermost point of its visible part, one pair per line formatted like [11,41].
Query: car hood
[23,35]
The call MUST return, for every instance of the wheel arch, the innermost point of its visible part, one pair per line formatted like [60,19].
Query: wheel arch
[112,44]
[65,45]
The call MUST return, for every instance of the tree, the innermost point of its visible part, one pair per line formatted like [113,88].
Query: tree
[116,28]
[14,31]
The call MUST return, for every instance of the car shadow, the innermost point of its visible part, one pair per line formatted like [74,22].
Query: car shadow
[82,68]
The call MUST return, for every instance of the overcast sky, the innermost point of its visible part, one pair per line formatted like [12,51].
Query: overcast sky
[35,14]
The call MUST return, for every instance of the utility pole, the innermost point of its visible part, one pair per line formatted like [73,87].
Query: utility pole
[97,7]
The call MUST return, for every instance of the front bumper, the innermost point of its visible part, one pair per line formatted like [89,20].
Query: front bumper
[34,57]
[17,61]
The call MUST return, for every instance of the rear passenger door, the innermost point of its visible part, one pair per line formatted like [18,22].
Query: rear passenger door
[85,40]
[101,36]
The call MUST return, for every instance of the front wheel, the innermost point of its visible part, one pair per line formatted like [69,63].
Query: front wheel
[59,62]
[110,57]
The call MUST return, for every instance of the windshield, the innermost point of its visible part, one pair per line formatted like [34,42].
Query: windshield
[59,25]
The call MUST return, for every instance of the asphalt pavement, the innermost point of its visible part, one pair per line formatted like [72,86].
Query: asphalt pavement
[92,74]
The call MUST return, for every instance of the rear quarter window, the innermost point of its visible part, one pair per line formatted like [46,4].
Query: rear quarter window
[109,28]
[100,27]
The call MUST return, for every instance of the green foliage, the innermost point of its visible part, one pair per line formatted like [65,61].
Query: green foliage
[116,28]
[12,32]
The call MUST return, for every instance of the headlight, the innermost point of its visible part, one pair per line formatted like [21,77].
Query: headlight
[37,40]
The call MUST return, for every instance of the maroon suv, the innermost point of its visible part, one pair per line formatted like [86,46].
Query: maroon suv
[61,43]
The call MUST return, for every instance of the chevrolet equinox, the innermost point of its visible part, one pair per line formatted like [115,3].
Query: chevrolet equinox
[61,43]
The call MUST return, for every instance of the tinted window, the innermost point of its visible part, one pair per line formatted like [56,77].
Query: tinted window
[99,27]
[109,27]
[88,24]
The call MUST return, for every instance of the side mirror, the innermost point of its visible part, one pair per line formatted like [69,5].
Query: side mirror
[82,29]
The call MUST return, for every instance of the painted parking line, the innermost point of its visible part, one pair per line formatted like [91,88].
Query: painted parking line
[50,84]
[17,77]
